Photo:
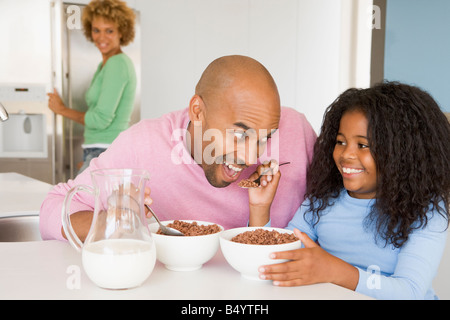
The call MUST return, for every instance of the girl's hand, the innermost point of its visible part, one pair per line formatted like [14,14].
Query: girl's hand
[260,198]
[309,265]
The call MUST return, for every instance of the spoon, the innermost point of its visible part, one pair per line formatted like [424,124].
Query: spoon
[255,183]
[166,230]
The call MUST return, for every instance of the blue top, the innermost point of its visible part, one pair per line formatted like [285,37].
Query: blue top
[385,272]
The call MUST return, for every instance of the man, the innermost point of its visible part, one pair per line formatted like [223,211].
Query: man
[196,155]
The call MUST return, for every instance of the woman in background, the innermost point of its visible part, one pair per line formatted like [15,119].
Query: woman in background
[109,24]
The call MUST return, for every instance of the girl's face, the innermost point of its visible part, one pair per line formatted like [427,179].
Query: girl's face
[353,158]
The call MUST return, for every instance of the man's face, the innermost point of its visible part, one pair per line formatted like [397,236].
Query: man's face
[236,127]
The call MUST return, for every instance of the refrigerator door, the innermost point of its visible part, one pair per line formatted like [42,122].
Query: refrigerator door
[80,61]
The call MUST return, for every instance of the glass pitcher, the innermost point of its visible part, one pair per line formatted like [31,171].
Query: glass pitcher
[118,252]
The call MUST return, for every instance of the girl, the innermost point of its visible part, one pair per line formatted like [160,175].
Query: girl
[376,209]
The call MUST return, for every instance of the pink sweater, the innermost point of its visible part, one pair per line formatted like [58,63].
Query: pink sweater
[181,191]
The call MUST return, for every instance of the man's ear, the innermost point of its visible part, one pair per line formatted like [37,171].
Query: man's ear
[196,109]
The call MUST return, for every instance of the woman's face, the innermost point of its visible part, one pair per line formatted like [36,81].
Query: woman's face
[106,36]
[353,157]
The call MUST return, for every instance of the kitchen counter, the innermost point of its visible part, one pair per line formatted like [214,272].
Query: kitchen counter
[21,195]
[53,270]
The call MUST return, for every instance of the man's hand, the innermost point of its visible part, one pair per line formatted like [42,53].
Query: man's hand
[81,221]
[260,198]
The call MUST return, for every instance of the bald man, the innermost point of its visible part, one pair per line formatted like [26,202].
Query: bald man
[235,93]
[195,156]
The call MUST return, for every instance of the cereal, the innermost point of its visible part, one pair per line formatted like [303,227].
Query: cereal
[264,237]
[192,228]
[247,183]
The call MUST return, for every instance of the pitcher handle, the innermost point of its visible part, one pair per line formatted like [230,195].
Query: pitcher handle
[67,225]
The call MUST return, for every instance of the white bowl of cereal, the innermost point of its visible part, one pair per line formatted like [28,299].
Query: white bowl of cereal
[189,252]
[246,249]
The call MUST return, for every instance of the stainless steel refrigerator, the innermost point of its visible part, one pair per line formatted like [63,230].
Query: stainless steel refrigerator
[75,61]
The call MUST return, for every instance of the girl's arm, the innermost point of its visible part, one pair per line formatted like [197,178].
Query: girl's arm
[417,265]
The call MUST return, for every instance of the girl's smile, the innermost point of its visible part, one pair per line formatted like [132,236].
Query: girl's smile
[353,157]
[350,171]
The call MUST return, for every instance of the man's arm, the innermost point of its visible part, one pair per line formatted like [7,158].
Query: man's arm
[122,153]
[81,223]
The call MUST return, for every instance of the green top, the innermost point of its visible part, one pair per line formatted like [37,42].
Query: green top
[110,99]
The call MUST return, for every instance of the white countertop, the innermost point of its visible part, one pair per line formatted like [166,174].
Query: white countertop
[21,195]
[46,270]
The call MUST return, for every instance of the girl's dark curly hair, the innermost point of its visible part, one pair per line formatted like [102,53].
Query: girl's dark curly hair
[409,139]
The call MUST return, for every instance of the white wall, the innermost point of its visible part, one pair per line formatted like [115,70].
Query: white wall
[314,49]
[307,45]
[25,55]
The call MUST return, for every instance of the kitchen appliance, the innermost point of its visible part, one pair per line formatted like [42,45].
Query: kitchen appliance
[46,49]
[75,61]
[24,135]
[26,138]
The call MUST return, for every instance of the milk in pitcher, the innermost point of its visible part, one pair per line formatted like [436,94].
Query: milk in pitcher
[119,263]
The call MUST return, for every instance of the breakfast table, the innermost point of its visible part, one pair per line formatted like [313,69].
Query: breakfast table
[53,269]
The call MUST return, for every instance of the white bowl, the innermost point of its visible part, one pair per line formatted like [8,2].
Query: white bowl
[247,258]
[186,253]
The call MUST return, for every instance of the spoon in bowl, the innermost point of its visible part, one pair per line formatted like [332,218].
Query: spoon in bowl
[166,230]
[247,183]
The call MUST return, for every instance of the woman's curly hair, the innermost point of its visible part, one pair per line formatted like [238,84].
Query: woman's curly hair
[409,139]
[112,10]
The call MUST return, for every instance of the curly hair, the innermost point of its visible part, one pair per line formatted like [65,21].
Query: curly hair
[112,10]
[409,138]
